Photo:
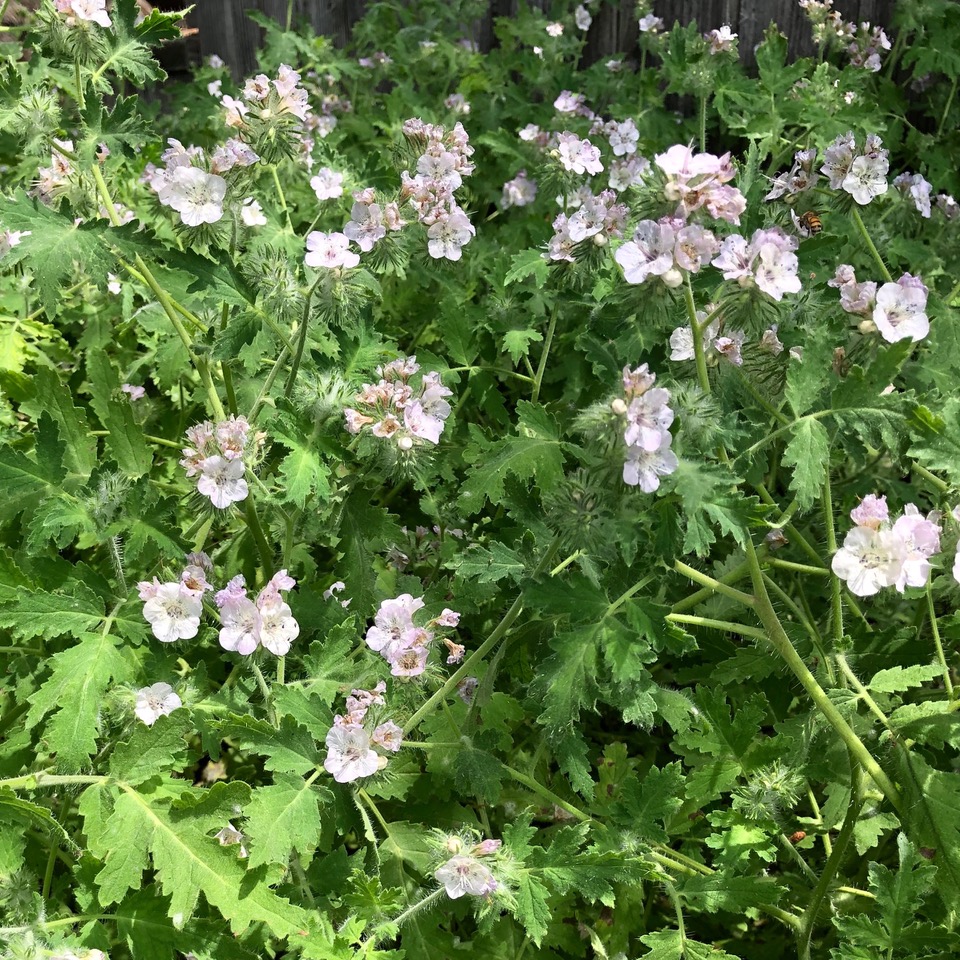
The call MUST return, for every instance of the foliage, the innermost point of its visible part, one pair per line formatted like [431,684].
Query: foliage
[476,673]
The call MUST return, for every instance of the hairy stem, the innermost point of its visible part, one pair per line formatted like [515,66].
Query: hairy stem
[542,366]
[947,681]
[302,339]
[871,246]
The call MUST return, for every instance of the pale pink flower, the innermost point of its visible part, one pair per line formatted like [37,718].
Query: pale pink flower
[221,481]
[650,24]
[721,41]
[867,178]
[649,253]
[623,137]
[327,184]
[10,239]
[331,250]
[462,874]
[172,609]
[91,11]
[917,188]
[554,29]
[519,192]
[388,736]
[251,213]
[920,537]
[447,237]
[648,418]
[871,512]
[349,756]
[156,701]
[240,622]
[393,623]
[197,196]
[578,156]
[366,226]
[838,158]
[869,560]
[900,310]
[135,393]
[776,273]
[644,468]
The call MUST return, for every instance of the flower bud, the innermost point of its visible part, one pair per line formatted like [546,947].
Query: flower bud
[453,844]
[672,278]
[867,326]
[618,406]
[599,240]
[405,443]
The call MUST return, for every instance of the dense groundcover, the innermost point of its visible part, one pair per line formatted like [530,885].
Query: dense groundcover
[478,504]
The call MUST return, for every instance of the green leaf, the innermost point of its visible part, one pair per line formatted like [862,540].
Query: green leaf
[528,263]
[808,452]
[534,456]
[672,945]
[130,44]
[54,245]
[281,817]
[898,679]
[56,399]
[49,615]
[289,749]
[172,825]
[490,565]
[732,894]
[517,342]
[305,476]
[363,528]
[74,695]
[151,749]
[649,802]
[931,819]
[900,892]
[116,414]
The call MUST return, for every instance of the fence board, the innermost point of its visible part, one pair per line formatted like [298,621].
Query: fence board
[226,30]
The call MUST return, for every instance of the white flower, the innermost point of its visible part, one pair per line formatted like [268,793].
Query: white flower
[868,560]
[10,239]
[776,273]
[461,874]
[240,630]
[278,628]
[623,137]
[221,480]
[349,756]
[155,702]
[867,178]
[650,24]
[330,250]
[327,184]
[173,611]
[578,156]
[554,29]
[644,468]
[388,735]
[93,11]
[900,311]
[447,236]
[582,18]
[251,213]
[197,196]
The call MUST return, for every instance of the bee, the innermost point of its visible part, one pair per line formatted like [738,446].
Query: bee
[810,223]
[797,837]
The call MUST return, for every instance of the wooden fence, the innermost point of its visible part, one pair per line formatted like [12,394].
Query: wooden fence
[225,28]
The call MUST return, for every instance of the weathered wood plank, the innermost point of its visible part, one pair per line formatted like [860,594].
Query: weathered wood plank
[226,29]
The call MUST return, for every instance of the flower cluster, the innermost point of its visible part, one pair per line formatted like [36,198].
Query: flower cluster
[799,179]
[898,310]
[861,174]
[394,411]
[220,454]
[914,186]
[186,185]
[880,553]
[715,346]
[443,163]
[578,156]
[272,114]
[350,753]
[863,43]
[267,622]
[767,261]
[54,180]
[464,872]
[721,41]
[327,184]
[662,248]
[156,701]
[519,192]
[173,608]
[597,218]
[645,410]
[404,644]
[330,250]
[90,11]
[700,181]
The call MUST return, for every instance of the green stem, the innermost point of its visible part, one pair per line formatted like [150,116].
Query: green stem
[703,121]
[862,692]
[302,340]
[281,670]
[794,855]
[545,793]
[725,625]
[698,352]
[40,779]
[675,900]
[807,623]
[256,531]
[368,800]
[804,568]
[268,385]
[495,637]
[931,478]
[280,195]
[694,599]
[946,109]
[563,564]
[264,690]
[81,102]
[947,682]
[717,586]
[783,645]
[418,906]
[874,252]
[833,862]
[542,366]
[836,596]
[760,399]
